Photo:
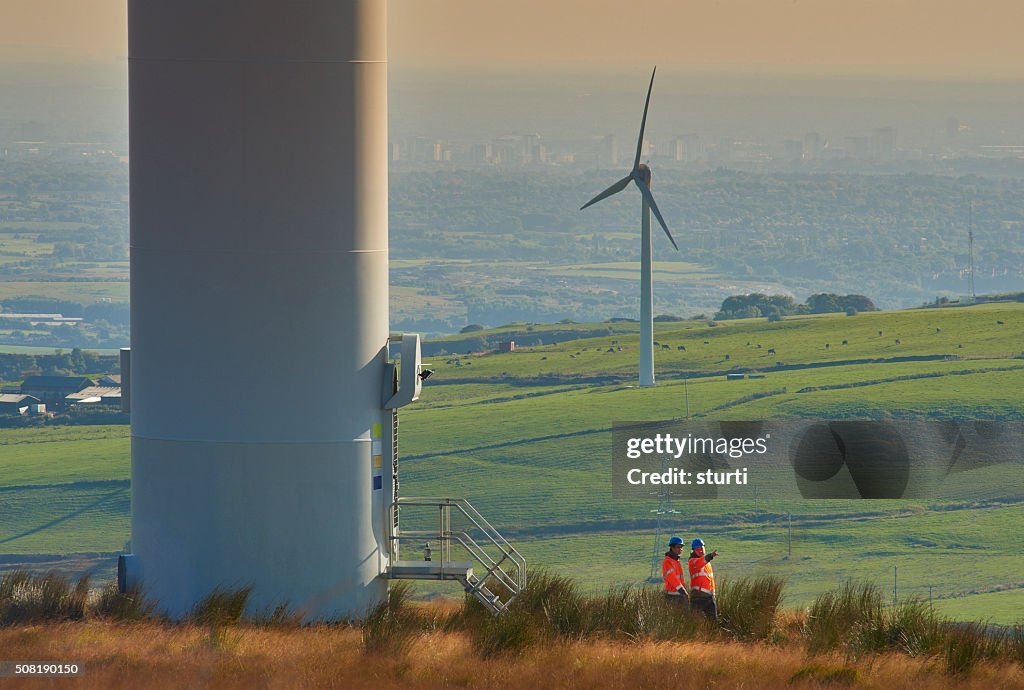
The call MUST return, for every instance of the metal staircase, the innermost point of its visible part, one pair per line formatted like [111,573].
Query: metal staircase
[501,570]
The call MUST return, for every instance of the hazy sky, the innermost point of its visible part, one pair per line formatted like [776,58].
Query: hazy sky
[966,38]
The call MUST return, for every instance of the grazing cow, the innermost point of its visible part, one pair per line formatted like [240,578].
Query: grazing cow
[656,343]
[727,358]
[826,346]
[879,334]
[771,350]
[665,347]
[707,342]
[898,341]
[1000,323]
[846,342]
[960,346]
[938,330]
[759,346]
[681,348]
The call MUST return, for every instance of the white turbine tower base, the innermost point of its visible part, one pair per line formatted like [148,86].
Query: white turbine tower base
[259,302]
[641,176]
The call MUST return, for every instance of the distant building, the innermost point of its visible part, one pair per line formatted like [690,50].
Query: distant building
[507,346]
[111,381]
[812,146]
[481,153]
[53,389]
[793,149]
[689,148]
[95,395]
[17,404]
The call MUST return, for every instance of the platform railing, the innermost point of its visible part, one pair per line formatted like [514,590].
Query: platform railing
[503,568]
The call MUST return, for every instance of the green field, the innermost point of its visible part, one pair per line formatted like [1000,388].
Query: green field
[529,446]
[82,292]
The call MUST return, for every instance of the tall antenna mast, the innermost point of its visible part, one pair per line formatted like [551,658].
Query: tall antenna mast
[665,513]
[970,244]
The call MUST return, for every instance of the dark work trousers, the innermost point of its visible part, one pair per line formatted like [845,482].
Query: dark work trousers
[677,600]
[705,603]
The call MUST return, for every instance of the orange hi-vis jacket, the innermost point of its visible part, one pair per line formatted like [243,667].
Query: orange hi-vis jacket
[702,578]
[672,572]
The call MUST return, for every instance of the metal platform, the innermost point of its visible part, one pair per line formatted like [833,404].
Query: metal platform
[502,569]
[430,570]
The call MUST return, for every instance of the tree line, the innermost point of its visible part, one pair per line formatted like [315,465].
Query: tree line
[774,307]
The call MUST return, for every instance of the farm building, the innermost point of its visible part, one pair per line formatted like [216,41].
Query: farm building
[16,403]
[53,389]
[95,395]
[507,346]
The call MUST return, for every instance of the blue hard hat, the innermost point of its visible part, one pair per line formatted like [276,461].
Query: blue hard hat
[696,543]
[675,540]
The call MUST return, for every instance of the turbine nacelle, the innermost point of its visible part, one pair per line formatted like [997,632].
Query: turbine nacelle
[642,175]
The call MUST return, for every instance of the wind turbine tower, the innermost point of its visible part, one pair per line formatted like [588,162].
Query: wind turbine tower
[970,242]
[641,176]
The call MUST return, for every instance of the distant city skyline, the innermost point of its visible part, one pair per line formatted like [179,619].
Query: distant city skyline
[933,38]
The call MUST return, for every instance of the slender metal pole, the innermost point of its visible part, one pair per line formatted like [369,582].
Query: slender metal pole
[970,241]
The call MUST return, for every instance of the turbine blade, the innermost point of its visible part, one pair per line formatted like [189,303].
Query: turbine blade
[657,214]
[614,189]
[643,122]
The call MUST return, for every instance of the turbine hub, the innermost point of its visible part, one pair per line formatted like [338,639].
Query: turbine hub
[643,174]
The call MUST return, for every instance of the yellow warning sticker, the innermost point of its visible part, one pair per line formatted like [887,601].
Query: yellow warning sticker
[378,462]
[378,430]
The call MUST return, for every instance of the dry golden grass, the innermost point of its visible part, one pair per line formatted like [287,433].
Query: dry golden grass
[153,655]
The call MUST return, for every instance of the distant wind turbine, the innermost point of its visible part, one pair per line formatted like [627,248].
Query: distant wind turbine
[641,175]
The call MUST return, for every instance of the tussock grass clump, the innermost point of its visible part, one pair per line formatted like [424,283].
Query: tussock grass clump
[508,634]
[834,615]
[552,609]
[1016,644]
[550,606]
[967,644]
[28,598]
[221,606]
[392,626]
[281,616]
[747,607]
[912,628]
[642,613]
[554,599]
[113,604]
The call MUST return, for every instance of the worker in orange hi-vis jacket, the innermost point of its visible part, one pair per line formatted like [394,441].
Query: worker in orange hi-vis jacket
[702,581]
[672,573]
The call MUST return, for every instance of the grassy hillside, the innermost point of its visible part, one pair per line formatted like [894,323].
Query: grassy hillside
[526,437]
